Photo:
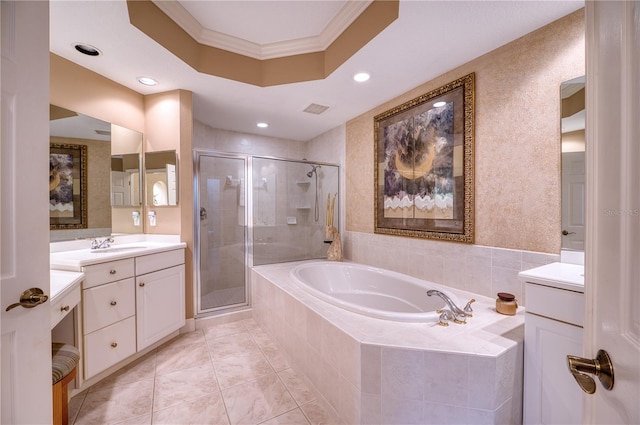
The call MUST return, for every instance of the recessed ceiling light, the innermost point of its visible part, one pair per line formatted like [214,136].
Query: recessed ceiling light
[361,77]
[439,104]
[87,49]
[262,125]
[147,81]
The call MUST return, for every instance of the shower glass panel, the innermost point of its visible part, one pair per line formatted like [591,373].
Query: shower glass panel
[291,200]
[221,230]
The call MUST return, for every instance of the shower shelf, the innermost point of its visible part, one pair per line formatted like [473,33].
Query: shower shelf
[303,182]
[303,208]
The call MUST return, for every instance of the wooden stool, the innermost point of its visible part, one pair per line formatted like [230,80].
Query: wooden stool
[64,360]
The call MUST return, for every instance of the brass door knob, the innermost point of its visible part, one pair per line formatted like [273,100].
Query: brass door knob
[582,368]
[30,298]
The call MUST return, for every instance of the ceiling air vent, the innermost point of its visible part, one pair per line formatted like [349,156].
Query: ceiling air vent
[314,108]
[103,132]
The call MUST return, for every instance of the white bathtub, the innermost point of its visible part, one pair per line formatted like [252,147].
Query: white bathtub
[371,291]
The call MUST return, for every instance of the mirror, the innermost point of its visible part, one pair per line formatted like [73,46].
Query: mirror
[103,144]
[573,114]
[161,177]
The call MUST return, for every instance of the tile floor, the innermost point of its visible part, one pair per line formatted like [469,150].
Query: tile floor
[224,374]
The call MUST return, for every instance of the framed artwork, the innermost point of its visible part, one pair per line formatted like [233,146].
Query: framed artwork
[67,186]
[424,165]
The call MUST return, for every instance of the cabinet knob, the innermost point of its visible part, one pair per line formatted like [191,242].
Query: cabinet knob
[65,308]
[112,272]
[141,284]
[113,303]
[114,344]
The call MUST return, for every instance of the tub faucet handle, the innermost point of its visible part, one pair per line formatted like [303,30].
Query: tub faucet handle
[467,308]
[445,316]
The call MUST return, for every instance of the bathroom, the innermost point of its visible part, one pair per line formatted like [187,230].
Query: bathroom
[529,203]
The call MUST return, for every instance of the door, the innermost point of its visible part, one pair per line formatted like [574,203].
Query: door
[613,206]
[221,231]
[573,204]
[120,188]
[24,223]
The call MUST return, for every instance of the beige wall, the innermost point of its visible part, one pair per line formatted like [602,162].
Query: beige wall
[517,139]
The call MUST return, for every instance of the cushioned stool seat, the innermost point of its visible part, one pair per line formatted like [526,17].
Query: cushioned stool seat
[64,360]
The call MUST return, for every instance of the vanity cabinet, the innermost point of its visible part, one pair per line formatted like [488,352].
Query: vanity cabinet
[108,315]
[157,313]
[128,305]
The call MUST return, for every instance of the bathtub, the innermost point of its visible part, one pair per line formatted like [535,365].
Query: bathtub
[374,292]
[370,371]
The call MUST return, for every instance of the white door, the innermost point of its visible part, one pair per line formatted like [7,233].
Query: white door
[24,222]
[613,206]
[120,188]
[573,203]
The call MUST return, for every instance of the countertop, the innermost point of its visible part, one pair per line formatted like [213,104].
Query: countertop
[74,260]
[557,275]
[63,282]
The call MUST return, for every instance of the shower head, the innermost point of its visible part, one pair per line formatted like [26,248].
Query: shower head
[313,170]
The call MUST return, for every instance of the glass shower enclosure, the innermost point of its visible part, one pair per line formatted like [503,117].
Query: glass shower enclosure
[254,210]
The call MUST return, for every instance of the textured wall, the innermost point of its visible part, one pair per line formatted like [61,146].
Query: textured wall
[517,139]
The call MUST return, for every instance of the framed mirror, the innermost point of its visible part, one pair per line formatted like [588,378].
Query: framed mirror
[573,114]
[161,178]
[100,145]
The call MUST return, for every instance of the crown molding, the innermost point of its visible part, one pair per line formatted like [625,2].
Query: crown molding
[316,43]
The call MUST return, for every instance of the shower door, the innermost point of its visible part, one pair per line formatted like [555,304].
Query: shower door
[221,231]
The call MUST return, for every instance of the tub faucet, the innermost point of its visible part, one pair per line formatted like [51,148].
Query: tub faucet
[99,244]
[459,315]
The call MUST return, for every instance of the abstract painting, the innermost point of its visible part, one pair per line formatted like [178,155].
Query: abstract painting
[67,186]
[424,165]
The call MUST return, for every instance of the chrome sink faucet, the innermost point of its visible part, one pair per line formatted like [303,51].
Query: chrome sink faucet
[455,313]
[99,244]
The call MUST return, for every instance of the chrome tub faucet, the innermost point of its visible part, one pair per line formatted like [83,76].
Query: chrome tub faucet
[455,313]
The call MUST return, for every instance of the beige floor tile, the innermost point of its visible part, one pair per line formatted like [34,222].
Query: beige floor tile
[294,417]
[241,368]
[317,414]
[178,357]
[141,369]
[297,387]
[256,401]
[117,404]
[184,385]
[75,403]
[187,338]
[207,410]
[232,345]
[216,331]
[275,357]
[140,420]
[252,326]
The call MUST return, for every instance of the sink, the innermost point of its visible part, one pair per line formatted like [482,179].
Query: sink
[113,249]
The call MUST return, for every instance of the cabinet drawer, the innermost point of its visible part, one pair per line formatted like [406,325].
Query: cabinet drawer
[107,304]
[554,303]
[63,306]
[162,260]
[108,346]
[108,272]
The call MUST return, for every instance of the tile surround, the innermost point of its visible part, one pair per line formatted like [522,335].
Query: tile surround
[478,269]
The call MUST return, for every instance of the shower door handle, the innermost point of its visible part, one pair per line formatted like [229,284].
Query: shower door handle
[203,213]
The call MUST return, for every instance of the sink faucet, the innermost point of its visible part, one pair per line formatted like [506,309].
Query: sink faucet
[98,244]
[458,315]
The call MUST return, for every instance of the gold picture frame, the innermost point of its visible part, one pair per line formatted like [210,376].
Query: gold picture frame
[67,186]
[423,162]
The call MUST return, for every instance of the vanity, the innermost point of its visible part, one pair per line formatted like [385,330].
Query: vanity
[131,298]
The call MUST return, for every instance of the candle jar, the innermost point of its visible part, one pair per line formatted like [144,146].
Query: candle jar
[506,304]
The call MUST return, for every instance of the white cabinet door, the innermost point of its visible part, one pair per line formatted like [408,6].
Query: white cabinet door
[160,306]
[550,393]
